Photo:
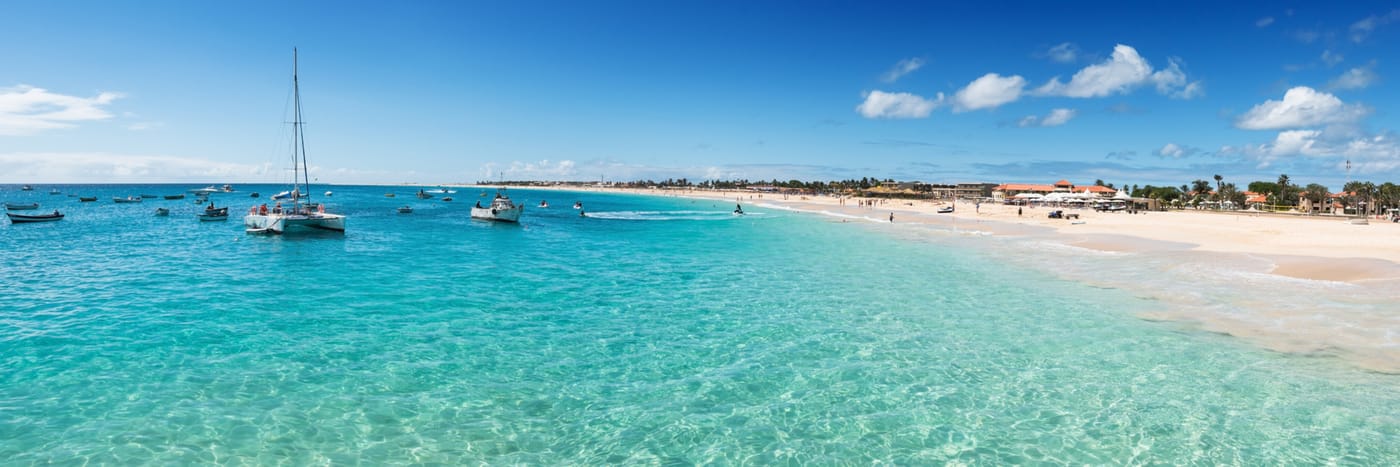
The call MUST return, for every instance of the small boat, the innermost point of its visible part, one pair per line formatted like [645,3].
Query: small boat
[254,195]
[162,212]
[129,199]
[945,210]
[501,209]
[228,188]
[87,199]
[146,196]
[203,191]
[388,195]
[21,207]
[578,204]
[22,219]
[449,198]
[174,196]
[214,214]
[424,195]
[544,204]
[54,191]
[329,193]
[286,194]
[27,188]
[405,209]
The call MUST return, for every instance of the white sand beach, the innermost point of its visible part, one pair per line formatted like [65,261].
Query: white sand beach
[1307,247]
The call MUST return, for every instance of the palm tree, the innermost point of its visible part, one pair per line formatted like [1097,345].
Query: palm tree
[1283,191]
[1200,187]
[1218,178]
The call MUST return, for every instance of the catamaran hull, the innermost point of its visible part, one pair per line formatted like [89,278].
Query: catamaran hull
[500,215]
[293,223]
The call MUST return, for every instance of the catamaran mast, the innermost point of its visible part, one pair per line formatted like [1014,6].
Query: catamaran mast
[298,139]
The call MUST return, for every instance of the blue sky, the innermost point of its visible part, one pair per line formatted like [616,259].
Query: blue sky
[442,92]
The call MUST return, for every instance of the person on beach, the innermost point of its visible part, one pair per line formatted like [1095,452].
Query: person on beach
[891,217]
[1018,212]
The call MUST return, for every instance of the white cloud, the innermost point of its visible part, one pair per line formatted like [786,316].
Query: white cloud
[1301,106]
[1176,151]
[25,110]
[1120,74]
[880,104]
[1361,29]
[1264,22]
[1368,153]
[902,68]
[1331,58]
[1063,53]
[1355,78]
[989,91]
[1056,117]
[124,168]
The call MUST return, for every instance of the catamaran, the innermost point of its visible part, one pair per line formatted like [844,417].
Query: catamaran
[299,214]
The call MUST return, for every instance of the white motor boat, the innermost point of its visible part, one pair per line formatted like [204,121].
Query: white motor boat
[501,209]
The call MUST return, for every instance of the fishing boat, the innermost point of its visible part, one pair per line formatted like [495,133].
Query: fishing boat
[405,209]
[129,199]
[21,207]
[174,196]
[301,214]
[214,214]
[501,209]
[87,199]
[162,211]
[22,218]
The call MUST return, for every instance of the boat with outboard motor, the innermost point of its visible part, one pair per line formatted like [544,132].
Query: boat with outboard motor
[501,209]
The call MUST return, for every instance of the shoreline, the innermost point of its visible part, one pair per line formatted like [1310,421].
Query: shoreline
[1300,247]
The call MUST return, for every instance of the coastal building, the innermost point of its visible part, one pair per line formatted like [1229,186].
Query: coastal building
[1010,190]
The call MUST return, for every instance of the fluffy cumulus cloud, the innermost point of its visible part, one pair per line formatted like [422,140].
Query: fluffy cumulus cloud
[1124,71]
[1355,78]
[25,110]
[1301,107]
[989,91]
[1056,117]
[902,68]
[1368,153]
[880,104]
[1362,29]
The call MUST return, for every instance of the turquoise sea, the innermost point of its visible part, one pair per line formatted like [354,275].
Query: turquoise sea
[658,331]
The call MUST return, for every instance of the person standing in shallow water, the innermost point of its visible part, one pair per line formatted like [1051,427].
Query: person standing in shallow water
[891,217]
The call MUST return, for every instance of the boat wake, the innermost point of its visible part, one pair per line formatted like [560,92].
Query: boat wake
[669,215]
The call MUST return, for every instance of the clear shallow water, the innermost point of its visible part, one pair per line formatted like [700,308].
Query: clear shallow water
[659,331]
